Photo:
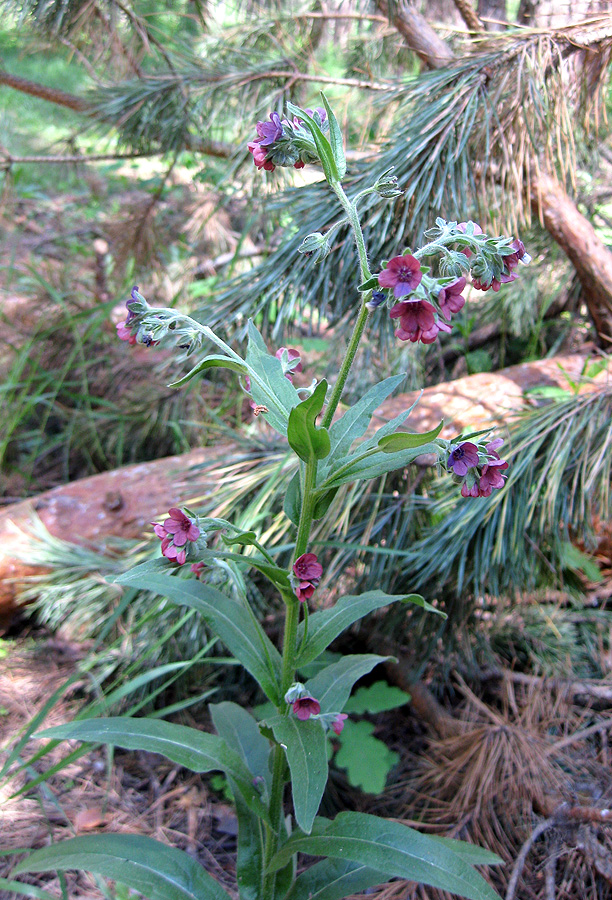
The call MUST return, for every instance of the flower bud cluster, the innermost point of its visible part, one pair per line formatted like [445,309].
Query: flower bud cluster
[180,536]
[149,325]
[478,466]
[387,185]
[305,706]
[285,143]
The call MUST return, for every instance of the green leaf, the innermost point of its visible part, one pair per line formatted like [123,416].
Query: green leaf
[324,149]
[197,751]
[334,879]
[306,749]
[155,870]
[369,285]
[471,853]
[228,618]
[358,469]
[250,849]
[293,500]
[326,625]
[353,424]
[26,890]
[335,139]
[308,441]
[333,684]
[323,503]
[269,387]
[576,561]
[367,760]
[404,440]
[211,362]
[276,575]
[378,697]
[240,731]
[389,847]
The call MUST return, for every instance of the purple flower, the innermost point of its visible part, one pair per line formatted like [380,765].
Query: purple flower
[175,533]
[125,334]
[462,458]
[377,298]
[417,321]
[450,299]
[306,707]
[338,723]
[269,132]
[403,274]
[494,283]
[308,570]
[487,477]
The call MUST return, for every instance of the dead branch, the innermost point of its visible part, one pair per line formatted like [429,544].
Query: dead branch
[572,688]
[53,95]
[418,34]
[519,865]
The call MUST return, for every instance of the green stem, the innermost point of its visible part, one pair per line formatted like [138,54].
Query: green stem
[345,368]
[307,511]
[276,812]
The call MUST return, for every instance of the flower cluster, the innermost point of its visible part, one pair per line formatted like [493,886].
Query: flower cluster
[480,468]
[307,571]
[178,533]
[130,330]
[419,318]
[280,142]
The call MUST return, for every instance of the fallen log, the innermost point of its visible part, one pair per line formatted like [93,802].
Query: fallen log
[122,503]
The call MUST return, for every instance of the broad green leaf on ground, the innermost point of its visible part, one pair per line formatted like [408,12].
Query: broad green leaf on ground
[155,870]
[367,760]
[228,618]
[389,847]
[240,731]
[197,751]
[326,625]
[376,698]
[354,423]
[333,684]
[334,879]
[269,387]
[309,442]
[306,749]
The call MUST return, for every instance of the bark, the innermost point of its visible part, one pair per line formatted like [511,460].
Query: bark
[418,34]
[579,241]
[558,213]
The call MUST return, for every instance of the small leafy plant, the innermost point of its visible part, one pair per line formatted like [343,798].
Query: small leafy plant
[290,745]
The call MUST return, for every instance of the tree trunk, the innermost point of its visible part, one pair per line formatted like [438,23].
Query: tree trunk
[564,222]
[579,241]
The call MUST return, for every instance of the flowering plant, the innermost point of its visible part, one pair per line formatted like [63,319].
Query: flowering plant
[290,746]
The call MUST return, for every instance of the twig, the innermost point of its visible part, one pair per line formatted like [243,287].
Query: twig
[550,871]
[519,865]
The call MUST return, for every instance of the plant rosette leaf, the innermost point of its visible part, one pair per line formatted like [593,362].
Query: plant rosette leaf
[392,848]
[228,618]
[306,747]
[153,869]
[309,442]
[197,751]
[325,626]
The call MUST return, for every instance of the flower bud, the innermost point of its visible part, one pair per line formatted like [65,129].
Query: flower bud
[386,186]
[316,246]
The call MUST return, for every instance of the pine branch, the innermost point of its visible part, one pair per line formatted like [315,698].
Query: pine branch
[53,95]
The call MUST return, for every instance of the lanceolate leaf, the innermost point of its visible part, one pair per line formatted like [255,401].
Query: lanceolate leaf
[250,849]
[155,870]
[240,731]
[392,848]
[354,422]
[324,148]
[326,625]
[357,469]
[332,685]
[306,749]
[334,879]
[228,618]
[308,441]
[211,362]
[276,575]
[269,387]
[335,139]
[197,751]
[404,440]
